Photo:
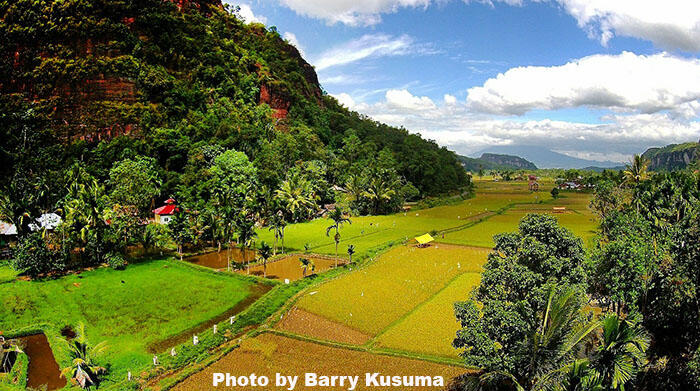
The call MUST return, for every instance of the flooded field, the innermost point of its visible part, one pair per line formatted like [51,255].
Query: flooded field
[219,260]
[290,267]
[43,369]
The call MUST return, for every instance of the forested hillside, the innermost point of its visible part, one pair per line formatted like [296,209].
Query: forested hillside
[101,81]
[672,157]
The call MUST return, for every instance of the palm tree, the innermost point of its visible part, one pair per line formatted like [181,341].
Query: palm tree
[278,224]
[245,229]
[550,350]
[622,352]
[297,194]
[351,250]
[84,369]
[354,187]
[265,253]
[306,264]
[380,190]
[8,348]
[338,220]
[636,171]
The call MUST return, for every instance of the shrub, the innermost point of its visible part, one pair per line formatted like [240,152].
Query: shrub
[115,261]
[33,257]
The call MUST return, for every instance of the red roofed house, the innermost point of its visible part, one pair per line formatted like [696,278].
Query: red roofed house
[165,213]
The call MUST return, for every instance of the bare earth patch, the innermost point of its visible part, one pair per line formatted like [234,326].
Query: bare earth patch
[306,323]
[268,354]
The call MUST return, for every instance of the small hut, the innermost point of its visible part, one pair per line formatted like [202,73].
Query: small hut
[165,213]
[424,240]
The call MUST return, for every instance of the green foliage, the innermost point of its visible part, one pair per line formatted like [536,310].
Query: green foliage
[115,261]
[555,192]
[134,182]
[84,369]
[518,276]
[33,257]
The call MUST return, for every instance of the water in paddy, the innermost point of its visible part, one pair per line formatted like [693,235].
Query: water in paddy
[290,267]
[219,260]
[43,369]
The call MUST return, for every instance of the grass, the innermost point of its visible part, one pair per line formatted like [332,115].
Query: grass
[7,273]
[130,309]
[431,327]
[372,298]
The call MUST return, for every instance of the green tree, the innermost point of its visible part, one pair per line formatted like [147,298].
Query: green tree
[179,231]
[297,196]
[621,353]
[351,251]
[306,263]
[277,225]
[637,170]
[555,192]
[265,252]
[338,220]
[33,257]
[135,182]
[84,369]
[245,232]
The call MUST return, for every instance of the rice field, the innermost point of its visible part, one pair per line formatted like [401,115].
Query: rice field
[290,267]
[431,327]
[372,298]
[268,354]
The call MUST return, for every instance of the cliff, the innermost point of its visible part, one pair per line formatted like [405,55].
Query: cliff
[508,161]
[672,157]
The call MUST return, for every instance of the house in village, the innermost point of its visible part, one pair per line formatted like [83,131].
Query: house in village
[165,213]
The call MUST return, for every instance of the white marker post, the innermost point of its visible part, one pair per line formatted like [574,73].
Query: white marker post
[128,376]
[155,360]
[233,319]
[173,352]
[195,340]
[215,329]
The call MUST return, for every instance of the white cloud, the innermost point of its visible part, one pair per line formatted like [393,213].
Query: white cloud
[626,82]
[617,137]
[246,13]
[367,46]
[669,24]
[351,12]
[449,99]
[345,100]
[292,39]
[402,99]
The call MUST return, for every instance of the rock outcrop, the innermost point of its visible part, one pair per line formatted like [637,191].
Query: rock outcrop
[672,157]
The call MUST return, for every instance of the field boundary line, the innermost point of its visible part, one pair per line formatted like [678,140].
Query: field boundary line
[362,348]
[374,339]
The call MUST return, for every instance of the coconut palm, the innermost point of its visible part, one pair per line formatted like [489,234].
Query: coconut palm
[622,352]
[265,253]
[245,230]
[297,194]
[306,264]
[277,225]
[549,351]
[338,220]
[636,171]
[380,189]
[84,369]
[351,251]
[8,349]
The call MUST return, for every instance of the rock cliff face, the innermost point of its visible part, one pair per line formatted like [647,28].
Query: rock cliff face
[106,98]
[511,161]
[672,157]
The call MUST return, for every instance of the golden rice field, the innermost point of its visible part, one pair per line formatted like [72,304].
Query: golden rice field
[268,354]
[372,298]
[431,327]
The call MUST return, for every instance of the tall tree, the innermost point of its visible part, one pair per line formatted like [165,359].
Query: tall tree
[338,220]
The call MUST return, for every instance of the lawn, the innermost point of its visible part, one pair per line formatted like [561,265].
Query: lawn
[7,274]
[372,298]
[268,354]
[130,309]
[431,327]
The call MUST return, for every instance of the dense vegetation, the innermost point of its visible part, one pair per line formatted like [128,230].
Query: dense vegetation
[532,323]
[111,107]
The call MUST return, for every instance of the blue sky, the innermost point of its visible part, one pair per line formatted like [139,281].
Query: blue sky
[595,79]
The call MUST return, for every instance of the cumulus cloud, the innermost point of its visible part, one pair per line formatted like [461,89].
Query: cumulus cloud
[450,99]
[345,100]
[350,12]
[455,125]
[246,13]
[669,24]
[367,46]
[627,82]
[292,39]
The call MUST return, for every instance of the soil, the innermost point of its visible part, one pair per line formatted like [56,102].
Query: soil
[302,322]
[43,369]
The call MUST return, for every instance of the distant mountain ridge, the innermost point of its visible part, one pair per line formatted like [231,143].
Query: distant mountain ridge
[672,157]
[545,158]
[493,161]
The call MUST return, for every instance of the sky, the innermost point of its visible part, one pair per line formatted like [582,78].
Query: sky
[594,79]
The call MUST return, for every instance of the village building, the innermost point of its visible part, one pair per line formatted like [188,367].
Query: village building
[165,213]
